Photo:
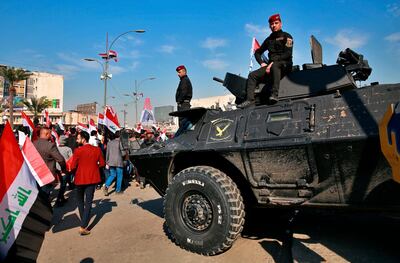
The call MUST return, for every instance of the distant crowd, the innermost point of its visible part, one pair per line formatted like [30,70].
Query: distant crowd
[88,159]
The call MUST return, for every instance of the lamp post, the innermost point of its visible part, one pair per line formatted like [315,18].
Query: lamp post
[124,112]
[136,95]
[105,74]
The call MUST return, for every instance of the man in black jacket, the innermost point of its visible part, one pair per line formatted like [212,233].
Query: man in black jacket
[280,47]
[183,92]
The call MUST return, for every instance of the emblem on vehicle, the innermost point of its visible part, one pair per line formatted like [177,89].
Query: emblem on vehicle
[389,133]
[221,130]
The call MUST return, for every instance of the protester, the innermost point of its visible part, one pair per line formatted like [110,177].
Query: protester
[71,142]
[50,154]
[148,139]
[86,160]
[93,139]
[183,92]
[115,162]
[66,152]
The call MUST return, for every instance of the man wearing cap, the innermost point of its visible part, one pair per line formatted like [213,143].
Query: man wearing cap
[183,92]
[280,47]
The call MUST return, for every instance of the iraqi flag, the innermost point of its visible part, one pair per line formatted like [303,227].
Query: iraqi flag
[60,124]
[46,117]
[26,122]
[112,54]
[111,119]
[83,127]
[24,214]
[147,113]
[92,125]
[100,119]
[55,136]
[254,46]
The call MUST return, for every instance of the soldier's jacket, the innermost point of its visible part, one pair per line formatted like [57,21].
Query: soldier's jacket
[279,45]
[184,90]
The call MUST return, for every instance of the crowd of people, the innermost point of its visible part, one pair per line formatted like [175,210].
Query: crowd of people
[86,160]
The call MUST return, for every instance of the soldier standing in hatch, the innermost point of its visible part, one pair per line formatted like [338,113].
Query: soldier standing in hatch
[280,47]
[183,92]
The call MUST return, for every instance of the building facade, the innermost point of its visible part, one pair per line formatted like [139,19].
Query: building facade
[87,108]
[225,102]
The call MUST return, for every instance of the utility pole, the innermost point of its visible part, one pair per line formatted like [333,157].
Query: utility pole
[124,112]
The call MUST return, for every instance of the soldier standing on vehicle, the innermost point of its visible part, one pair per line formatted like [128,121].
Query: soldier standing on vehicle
[280,47]
[183,92]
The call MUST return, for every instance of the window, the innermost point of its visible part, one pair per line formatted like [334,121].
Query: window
[279,116]
[55,103]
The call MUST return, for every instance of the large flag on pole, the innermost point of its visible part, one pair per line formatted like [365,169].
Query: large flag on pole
[112,54]
[26,122]
[147,113]
[111,119]
[18,194]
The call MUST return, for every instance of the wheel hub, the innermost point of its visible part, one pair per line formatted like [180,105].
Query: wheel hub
[196,211]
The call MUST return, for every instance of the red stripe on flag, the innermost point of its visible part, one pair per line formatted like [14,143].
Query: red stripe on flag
[35,161]
[28,121]
[11,160]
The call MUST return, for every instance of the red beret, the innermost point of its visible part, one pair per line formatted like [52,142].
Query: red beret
[180,67]
[274,18]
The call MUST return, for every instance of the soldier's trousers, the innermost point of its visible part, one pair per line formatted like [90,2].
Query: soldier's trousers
[278,69]
[183,106]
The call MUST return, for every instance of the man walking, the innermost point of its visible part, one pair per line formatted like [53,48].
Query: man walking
[66,152]
[280,47]
[115,162]
[50,154]
[183,92]
[86,160]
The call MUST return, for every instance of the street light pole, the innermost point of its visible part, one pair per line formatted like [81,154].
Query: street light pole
[105,74]
[136,102]
[108,58]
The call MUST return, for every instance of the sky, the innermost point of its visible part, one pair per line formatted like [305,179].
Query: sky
[209,37]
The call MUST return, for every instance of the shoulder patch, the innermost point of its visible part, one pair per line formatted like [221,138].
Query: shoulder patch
[289,42]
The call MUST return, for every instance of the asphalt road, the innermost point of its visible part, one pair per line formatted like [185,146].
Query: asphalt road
[130,228]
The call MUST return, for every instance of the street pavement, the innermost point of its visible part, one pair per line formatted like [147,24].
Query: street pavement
[130,228]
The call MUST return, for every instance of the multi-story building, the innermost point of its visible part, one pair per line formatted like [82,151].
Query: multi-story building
[41,84]
[38,84]
[87,108]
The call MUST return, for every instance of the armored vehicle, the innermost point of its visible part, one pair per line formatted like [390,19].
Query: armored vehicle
[326,144]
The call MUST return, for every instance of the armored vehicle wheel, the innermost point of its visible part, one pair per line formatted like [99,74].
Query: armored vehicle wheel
[203,210]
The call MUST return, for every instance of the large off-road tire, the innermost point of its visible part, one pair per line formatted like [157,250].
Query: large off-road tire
[204,210]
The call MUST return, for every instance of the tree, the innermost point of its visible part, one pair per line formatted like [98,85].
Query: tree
[37,105]
[13,75]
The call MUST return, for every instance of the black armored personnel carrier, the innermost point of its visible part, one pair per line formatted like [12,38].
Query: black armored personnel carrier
[326,144]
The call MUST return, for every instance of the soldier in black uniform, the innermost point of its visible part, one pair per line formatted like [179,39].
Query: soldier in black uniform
[280,47]
[183,92]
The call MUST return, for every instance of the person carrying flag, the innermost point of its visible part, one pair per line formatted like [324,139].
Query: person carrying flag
[280,48]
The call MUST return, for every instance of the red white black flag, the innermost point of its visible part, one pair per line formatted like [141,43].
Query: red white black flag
[111,119]
[19,193]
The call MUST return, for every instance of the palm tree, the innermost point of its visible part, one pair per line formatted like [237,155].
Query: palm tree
[37,105]
[13,75]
